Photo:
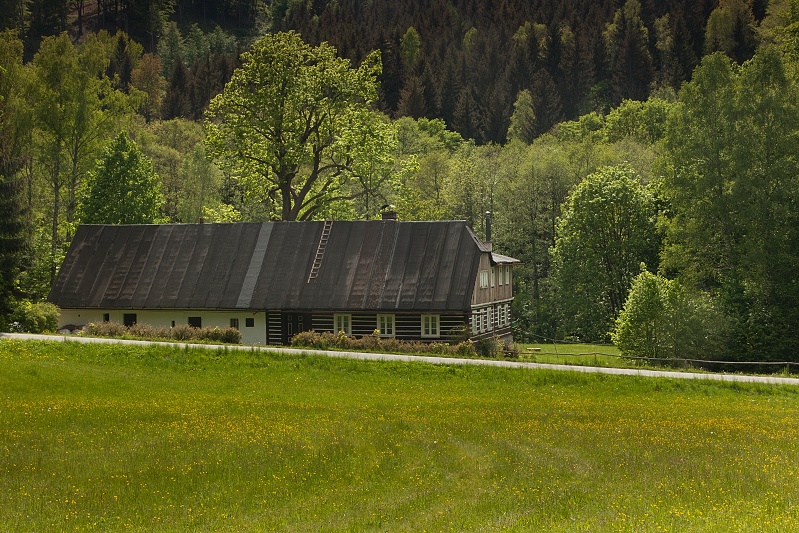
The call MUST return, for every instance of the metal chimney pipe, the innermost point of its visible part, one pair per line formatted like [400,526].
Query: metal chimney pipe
[488,226]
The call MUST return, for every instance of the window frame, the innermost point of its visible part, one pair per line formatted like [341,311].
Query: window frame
[434,326]
[484,279]
[389,318]
[249,322]
[343,317]
[234,323]
[198,322]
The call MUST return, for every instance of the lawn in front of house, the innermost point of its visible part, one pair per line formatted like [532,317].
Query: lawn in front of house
[111,437]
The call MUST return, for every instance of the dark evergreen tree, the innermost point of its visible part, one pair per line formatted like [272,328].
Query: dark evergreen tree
[466,116]
[12,219]
[546,102]
[628,53]
[178,101]
[412,102]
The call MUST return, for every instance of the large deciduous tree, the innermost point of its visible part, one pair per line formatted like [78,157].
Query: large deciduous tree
[606,231]
[731,179]
[294,120]
[75,109]
[124,189]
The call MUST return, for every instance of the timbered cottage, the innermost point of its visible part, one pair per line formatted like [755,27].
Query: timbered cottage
[429,281]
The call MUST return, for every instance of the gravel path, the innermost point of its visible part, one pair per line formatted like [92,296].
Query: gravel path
[742,378]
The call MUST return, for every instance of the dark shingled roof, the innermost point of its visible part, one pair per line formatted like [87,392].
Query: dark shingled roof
[367,265]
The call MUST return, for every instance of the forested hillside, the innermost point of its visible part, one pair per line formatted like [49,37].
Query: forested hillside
[619,144]
[465,61]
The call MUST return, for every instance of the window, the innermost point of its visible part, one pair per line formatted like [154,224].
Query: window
[343,323]
[507,275]
[234,323]
[483,279]
[490,318]
[173,323]
[430,326]
[195,321]
[475,323]
[106,317]
[493,276]
[128,319]
[249,322]
[385,323]
[484,313]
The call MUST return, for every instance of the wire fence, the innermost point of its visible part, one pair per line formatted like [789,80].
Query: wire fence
[769,367]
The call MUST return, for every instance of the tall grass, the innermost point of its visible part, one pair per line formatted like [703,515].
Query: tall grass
[110,437]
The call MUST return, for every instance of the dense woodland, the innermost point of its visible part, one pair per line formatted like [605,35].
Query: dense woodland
[618,144]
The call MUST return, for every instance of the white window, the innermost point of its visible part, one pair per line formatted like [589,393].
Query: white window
[343,323]
[484,319]
[490,318]
[385,323]
[484,279]
[430,326]
[475,323]
[493,276]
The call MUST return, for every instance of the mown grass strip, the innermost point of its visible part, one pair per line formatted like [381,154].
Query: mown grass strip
[111,437]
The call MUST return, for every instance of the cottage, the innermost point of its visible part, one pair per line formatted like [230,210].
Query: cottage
[430,281]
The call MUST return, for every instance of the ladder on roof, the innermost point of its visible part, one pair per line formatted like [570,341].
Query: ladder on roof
[320,250]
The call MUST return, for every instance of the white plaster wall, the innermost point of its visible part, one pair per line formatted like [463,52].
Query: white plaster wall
[221,319]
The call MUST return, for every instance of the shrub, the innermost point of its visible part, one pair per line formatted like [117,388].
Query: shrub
[231,336]
[36,317]
[326,340]
[487,347]
[662,319]
[183,332]
[465,349]
[105,329]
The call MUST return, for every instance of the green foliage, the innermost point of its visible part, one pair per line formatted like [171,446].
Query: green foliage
[13,239]
[296,122]
[181,332]
[522,121]
[606,231]
[409,47]
[329,340]
[731,29]
[661,319]
[40,317]
[730,176]
[124,189]
[643,121]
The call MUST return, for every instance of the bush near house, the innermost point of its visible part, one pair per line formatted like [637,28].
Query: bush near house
[35,317]
[328,340]
[178,333]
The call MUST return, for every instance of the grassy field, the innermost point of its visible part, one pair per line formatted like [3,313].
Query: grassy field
[108,437]
[575,354]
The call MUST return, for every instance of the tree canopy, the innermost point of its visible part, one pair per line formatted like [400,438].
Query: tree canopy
[606,231]
[296,121]
[123,189]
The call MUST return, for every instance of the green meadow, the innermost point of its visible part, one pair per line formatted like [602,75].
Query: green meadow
[117,438]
